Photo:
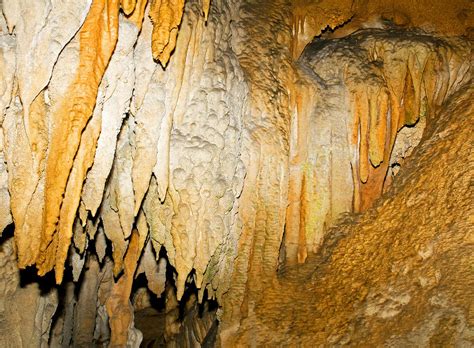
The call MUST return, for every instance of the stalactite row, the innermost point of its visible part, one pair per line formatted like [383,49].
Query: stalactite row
[383,82]
[118,161]
[266,61]
[312,18]
[112,142]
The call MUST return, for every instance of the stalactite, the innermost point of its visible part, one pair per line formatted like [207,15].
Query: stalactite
[23,182]
[138,13]
[201,171]
[206,5]
[71,118]
[113,231]
[154,269]
[119,81]
[166,16]
[40,40]
[82,162]
[118,305]
[148,119]
[398,87]
[128,6]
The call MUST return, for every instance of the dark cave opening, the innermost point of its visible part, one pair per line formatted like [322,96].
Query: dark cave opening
[163,319]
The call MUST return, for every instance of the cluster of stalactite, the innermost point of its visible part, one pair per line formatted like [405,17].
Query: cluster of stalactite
[139,136]
[86,127]
[369,86]
[91,308]
[399,274]
[53,125]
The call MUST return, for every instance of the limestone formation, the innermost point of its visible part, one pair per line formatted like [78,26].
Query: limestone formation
[370,86]
[399,274]
[206,173]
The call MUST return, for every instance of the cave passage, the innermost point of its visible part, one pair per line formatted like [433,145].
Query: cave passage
[236,173]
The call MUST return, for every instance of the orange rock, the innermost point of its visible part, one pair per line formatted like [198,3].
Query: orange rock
[101,25]
[166,16]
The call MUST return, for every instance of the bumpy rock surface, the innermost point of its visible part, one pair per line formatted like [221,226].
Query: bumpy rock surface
[399,274]
[369,87]
[162,156]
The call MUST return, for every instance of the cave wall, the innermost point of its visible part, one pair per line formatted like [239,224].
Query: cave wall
[202,137]
[399,274]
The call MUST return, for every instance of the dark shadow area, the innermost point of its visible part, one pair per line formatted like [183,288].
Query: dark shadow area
[161,323]
[29,275]
[7,234]
[151,320]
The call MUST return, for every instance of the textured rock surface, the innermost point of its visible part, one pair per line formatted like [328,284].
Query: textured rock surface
[27,304]
[370,85]
[166,157]
[398,275]
[341,18]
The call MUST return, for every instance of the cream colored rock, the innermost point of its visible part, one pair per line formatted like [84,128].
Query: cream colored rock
[71,200]
[202,148]
[26,310]
[148,119]
[5,215]
[158,217]
[7,67]
[144,64]
[23,176]
[77,263]
[369,86]
[210,171]
[119,80]
[11,11]
[100,244]
[118,195]
[154,269]
[80,236]
[7,72]
[42,29]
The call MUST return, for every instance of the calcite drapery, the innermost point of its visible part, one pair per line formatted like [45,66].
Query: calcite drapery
[397,275]
[105,128]
[60,154]
[97,39]
[231,148]
[370,85]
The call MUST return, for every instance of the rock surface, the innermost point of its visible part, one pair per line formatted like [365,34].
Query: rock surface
[166,157]
[399,274]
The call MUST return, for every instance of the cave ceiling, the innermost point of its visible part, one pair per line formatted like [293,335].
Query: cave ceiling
[229,158]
